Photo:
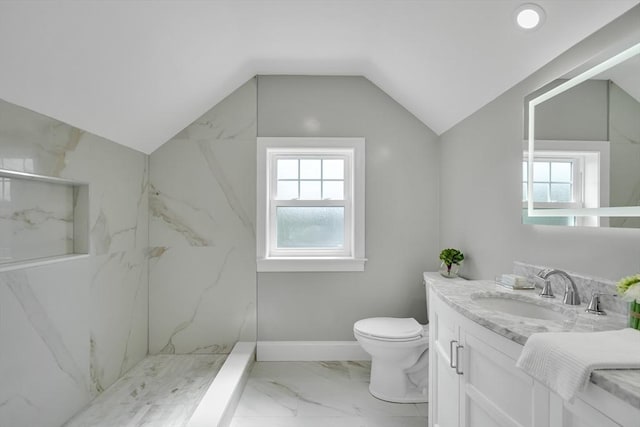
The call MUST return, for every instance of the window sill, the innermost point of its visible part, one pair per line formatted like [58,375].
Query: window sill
[266,265]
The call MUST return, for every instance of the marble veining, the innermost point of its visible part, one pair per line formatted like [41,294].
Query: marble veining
[44,361]
[226,187]
[201,221]
[161,390]
[36,219]
[459,295]
[586,287]
[167,209]
[318,394]
[170,347]
[620,382]
[118,275]
[68,139]
[18,283]
[100,235]
[79,323]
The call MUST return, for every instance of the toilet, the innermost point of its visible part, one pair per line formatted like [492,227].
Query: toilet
[399,357]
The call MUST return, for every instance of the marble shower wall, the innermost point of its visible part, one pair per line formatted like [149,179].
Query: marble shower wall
[36,219]
[202,268]
[70,329]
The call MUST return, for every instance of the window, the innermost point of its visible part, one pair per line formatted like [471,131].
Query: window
[567,175]
[556,182]
[310,204]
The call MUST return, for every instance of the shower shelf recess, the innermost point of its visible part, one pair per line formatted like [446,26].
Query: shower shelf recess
[42,219]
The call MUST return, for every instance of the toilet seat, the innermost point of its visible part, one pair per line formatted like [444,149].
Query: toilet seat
[390,329]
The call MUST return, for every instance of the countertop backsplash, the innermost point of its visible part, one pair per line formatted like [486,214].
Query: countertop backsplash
[586,286]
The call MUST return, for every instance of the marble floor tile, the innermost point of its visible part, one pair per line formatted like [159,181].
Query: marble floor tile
[160,391]
[309,394]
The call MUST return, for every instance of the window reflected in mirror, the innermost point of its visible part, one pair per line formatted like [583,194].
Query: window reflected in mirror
[585,134]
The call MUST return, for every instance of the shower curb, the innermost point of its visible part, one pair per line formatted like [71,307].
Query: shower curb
[219,403]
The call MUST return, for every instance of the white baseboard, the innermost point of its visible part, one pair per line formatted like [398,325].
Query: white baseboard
[298,351]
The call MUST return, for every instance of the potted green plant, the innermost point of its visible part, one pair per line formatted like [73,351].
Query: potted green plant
[451,260]
[629,289]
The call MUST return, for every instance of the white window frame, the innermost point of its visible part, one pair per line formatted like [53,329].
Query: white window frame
[351,256]
[593,158]
[577,166]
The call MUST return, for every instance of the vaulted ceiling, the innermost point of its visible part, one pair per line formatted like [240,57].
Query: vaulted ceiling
[138,72]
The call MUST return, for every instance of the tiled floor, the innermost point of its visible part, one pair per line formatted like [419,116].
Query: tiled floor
[319,394]
[160,391]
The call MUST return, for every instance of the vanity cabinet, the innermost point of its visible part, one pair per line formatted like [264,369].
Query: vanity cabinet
[473,382]
[473,379]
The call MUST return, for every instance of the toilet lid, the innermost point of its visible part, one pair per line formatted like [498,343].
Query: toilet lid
[389,328]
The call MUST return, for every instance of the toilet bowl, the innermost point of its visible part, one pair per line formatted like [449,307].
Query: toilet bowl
[399,360]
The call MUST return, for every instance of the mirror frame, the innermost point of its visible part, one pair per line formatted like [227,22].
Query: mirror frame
[620,211]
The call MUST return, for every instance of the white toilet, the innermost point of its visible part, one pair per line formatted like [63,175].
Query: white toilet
[399,359]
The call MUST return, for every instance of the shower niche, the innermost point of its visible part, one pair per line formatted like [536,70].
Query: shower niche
[41,218]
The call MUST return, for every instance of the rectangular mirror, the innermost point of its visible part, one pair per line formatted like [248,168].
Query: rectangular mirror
[582,161]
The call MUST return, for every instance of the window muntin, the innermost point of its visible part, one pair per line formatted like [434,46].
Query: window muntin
[309,178]
[556,182]
[310,203]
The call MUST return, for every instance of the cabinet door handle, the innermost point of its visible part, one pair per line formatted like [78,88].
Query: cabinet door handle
[451,355]
[458,347]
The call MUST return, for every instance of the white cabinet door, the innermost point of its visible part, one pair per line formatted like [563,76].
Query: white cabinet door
[494,393]
[473,379]
[444,382]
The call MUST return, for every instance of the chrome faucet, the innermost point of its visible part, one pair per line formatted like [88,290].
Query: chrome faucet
[571,296]
[594,304]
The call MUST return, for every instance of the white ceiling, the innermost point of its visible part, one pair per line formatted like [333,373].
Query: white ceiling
[138,72]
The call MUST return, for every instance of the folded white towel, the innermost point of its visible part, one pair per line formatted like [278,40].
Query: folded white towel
[564,360]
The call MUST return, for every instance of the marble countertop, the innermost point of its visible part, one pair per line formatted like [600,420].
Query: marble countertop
[464,297]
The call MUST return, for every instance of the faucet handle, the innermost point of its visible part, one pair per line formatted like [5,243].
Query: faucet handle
[547,292]
[594,304]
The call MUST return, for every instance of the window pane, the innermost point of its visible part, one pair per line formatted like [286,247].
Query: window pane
[541,171]
[547,220]
[310,227]
[524,191]
[287,168]
[310,168]
[333,190]
[540,192]
[333,169]
[310,190]
[524,171]
[287,190]
[561,192]
[561,172]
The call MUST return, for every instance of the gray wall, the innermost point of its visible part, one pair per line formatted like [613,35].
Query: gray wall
[579,114]
[481,185]
[401,208]
[70,329]
[624,134]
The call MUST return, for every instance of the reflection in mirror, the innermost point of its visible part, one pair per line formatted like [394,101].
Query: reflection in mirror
[581,165]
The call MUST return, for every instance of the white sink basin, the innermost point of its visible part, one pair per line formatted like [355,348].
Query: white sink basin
[520,307]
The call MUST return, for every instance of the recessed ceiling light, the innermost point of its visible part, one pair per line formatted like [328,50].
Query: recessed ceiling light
[529,16]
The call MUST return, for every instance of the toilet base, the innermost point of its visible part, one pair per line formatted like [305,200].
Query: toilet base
[391,384]
[414,397]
